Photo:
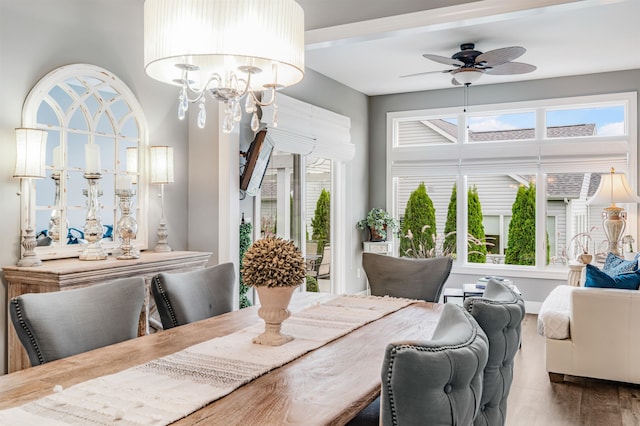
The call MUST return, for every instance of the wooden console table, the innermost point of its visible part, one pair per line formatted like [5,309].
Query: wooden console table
[66,274]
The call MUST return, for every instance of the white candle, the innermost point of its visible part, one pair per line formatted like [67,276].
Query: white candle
[123,182]
[132,164]
[57,158]
[92,158]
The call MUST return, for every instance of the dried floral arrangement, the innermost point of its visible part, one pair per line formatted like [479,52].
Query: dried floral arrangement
[273,262]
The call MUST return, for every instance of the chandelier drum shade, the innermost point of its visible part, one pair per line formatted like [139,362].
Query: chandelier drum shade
[226,48]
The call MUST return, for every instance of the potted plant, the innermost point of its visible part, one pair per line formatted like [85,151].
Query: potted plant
[275,267]
[379,223]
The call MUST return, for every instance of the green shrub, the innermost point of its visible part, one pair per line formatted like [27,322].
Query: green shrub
[245,243]
[477,252]
[321,222]
[312,284]
[420,219]
[521,248]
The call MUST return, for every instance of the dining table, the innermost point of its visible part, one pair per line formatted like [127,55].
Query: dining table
[326,386]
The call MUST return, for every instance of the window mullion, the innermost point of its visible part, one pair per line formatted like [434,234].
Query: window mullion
[541,221]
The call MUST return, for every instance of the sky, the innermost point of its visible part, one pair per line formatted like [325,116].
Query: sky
[608,120]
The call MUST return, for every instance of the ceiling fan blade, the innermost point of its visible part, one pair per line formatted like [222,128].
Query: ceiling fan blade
[444,60]
[425,73]
[511,68]
[500,56]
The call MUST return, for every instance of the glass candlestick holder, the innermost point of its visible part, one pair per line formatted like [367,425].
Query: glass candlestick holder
[93,230]
[54,219]
[127,225]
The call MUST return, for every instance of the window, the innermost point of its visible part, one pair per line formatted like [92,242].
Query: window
[544,158]
[311,148]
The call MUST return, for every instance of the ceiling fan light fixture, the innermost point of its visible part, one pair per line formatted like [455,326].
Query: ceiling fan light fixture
[467,76]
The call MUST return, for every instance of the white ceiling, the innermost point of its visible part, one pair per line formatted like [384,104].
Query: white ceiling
[368,48]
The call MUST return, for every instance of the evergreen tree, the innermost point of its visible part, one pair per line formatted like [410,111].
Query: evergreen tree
[321,220]
[452,222]
[418,213]
[477,252]
[245,243]
[522,228]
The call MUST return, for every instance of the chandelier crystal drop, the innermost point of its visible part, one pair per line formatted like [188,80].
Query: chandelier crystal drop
[228,49]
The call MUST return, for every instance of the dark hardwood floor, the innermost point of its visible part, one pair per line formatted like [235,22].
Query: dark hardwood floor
[534,400]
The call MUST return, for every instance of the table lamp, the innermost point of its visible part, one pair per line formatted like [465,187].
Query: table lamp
[613,189]
[30,164]
[161,168]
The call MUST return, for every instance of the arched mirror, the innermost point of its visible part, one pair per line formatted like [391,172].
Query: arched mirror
[93,121]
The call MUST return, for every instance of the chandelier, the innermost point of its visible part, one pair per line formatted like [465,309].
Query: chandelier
[226,49]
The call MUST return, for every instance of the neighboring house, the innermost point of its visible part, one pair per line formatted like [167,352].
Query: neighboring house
[567,211]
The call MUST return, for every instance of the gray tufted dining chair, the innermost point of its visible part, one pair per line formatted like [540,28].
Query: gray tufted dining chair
[59,324]
[499,312]
[438,381]
[185,297]
[406,277]
[434,382]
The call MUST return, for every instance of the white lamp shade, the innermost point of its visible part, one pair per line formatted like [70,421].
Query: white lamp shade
[467,75]
[31,150]
[161,163]
[221,35]
[613,189]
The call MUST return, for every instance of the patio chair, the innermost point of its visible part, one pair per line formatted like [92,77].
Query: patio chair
[406,277]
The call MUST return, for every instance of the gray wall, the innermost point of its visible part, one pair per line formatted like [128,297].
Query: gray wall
[37,36]
[534,290]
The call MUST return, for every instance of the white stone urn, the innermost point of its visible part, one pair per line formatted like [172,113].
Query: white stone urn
[585,258]
[274,303]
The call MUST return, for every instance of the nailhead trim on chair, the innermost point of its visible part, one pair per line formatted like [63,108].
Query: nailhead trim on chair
[156,280]
[23,325]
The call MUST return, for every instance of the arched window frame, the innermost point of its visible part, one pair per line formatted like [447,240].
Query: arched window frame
[97,78]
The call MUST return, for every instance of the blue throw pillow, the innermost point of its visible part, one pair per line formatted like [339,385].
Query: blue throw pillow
[597,278]
[615,265]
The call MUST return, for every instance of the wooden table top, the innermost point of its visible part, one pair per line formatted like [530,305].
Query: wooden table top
[326,386]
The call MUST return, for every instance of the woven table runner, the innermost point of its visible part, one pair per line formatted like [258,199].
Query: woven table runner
[167,389]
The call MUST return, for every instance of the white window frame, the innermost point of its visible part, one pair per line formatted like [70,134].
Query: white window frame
[40,94]
[538,157]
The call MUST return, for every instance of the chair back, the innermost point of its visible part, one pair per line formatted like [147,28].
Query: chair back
[324,269]
[59,324]
[185,297]
[437,381]
[406,277]
[500,313]
[312,247]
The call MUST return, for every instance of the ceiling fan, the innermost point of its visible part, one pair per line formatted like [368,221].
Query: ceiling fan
[469,64]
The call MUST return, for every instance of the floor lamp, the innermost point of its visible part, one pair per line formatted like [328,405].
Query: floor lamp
[30,164]
[613,189]
[161,168]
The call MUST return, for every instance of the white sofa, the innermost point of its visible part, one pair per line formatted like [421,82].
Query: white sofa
[592,332]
